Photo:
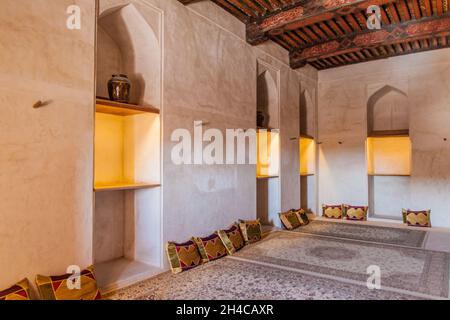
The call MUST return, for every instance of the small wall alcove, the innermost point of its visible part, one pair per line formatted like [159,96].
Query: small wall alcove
[127,244]
[268,198]
[268,97]
[388,152]
[307,150]
[129,43]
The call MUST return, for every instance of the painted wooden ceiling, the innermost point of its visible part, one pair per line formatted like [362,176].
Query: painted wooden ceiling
[332,33]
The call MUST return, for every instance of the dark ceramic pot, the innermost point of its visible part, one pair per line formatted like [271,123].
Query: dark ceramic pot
[119,88]
[261,119]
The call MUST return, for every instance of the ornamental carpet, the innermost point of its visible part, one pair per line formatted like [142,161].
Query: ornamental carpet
[229,279]
[291,265]
[413,270]
[395,236]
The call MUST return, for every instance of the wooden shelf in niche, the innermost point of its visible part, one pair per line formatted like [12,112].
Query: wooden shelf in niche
[388,175]
[122,109]
[266,177]
[127,147]
[306,136]
[267,129]
[120,186]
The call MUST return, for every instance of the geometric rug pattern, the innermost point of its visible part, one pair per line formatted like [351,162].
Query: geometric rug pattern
[304,266]
[229,279]
[388,235]
[412,270]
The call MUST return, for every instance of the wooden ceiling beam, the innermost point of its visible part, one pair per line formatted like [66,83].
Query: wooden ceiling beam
[440,6]
[264,4]
[414,6]
[404,12]
[391,34]
[303,14]
[393,14]
[399,53]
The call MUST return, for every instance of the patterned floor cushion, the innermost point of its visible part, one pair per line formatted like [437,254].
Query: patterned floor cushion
[60,288]
[303,217]
[355,213]
[232,239]
[19,291]
[251,230]
[211,248]
[417,218]
[332,211]
[183,256]
[290,220]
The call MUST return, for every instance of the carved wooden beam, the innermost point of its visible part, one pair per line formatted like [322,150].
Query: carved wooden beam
[305,13]
[412,30]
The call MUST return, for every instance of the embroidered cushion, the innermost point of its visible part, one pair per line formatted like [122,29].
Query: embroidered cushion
[232,239]
[183,256]
[59,287]
[211,248]
[355,213]
[290,220]
[417,218]
[303,217]
[19,291]
[251,230]
[332,212]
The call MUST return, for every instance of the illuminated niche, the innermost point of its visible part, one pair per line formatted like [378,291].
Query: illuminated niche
[389,156]
[268,154]
[388,142]
[307,156]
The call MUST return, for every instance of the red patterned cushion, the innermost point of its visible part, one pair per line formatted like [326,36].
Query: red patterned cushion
[417,218]
[19,291]
[57,287]
[355,213]
[183,256]
[211,248]
[332,212]
[232,239]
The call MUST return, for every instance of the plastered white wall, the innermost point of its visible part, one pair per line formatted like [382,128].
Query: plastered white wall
[46,156]
[343,96]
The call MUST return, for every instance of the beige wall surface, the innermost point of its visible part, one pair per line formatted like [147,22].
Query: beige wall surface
[209,73]
[343,96]
[46,156]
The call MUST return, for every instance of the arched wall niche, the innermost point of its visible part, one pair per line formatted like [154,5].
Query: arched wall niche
[306,114]
[128,43]
[268,97]
[388,111]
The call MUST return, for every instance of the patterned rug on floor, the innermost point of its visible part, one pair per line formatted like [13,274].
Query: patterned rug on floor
[228,279]
[396,236]
[289,265]
[416,271]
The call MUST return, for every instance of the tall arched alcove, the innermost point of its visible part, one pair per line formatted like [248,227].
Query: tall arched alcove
[268,191]
[306,114]
[127,43]
[388,152]
[267,98]
[387,110]
[127,231]
[307,150]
